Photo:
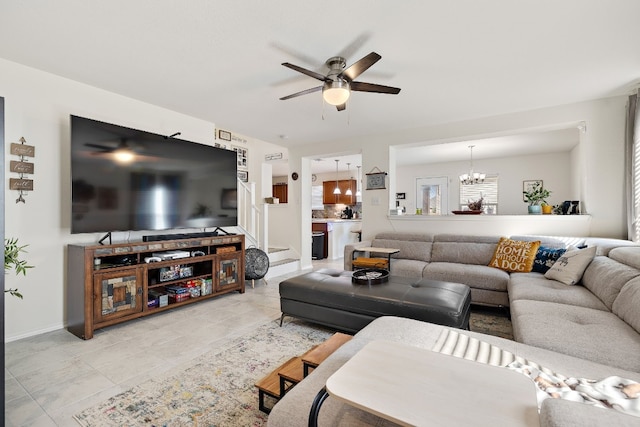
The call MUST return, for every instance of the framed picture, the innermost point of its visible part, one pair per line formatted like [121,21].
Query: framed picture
[242,156]
[224,135]
[528,186]
[401,196]
[376,181]
[243,176]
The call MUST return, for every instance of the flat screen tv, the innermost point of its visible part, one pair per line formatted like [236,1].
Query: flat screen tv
[126,179]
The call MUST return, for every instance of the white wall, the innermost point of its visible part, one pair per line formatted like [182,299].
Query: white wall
[597,164]
[37,107]
[553,168]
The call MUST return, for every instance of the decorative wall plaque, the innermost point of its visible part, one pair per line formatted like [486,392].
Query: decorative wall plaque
[21,167]
[23,149]
[376,180]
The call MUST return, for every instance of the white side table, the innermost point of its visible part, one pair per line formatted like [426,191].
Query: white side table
[417,387]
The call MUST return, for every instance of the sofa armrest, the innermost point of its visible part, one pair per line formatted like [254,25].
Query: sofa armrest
[565,413]
[348,252]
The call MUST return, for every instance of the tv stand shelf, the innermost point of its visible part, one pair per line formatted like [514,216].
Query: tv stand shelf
[111,284]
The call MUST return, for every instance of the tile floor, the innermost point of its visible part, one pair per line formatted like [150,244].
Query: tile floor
[50,377]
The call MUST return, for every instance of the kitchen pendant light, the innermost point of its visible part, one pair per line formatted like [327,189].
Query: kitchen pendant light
[349,192]
[358,193]
[472,177]
[337,190]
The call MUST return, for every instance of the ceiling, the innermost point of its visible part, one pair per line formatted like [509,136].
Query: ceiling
[221,60]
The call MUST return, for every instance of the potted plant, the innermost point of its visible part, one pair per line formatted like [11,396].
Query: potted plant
[13,262]
[536,196]
[547,209]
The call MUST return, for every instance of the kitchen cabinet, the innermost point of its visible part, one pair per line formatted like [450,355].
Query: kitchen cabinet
[281,191]
[328,198]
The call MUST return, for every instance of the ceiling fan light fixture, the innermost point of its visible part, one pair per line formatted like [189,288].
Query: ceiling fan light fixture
[336,92]
[349,192]
[337,191]
[123,155]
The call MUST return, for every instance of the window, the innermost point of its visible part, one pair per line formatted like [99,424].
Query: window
[488,190]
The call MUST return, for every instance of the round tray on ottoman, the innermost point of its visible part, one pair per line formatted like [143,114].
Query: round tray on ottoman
[370,276]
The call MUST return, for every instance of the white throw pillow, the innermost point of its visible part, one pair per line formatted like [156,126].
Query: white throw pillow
[569,268]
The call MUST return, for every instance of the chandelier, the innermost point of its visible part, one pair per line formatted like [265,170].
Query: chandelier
[472,177]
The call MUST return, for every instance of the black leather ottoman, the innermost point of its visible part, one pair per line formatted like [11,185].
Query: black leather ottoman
[328,297]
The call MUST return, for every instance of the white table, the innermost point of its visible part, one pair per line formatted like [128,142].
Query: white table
[418,387]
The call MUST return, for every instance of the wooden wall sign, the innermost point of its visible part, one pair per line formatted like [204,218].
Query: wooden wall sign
[21,167]
[23,150]
[20,184]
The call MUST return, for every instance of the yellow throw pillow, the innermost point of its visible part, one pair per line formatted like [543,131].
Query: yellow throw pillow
[514,255]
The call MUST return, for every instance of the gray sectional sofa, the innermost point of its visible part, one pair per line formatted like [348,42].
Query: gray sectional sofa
[588,330]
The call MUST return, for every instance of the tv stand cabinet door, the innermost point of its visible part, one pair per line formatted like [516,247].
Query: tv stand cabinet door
[230,272]
[117,294]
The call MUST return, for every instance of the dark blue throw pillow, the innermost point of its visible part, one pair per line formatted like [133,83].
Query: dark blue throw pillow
[545,257]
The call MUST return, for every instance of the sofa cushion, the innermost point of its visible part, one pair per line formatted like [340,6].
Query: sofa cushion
[627,304]
[546,257]
[463,249]
[570,267]
[412,246]
[606,277]
[605,245]
[534,286]
[626,255]
[514,255]
[563,413]
[595,335]
[407,267]
[474,276]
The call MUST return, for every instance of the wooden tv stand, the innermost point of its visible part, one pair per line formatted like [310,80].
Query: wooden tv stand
[111,284]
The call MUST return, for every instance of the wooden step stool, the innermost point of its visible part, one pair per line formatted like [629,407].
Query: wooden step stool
[315,356]
[272,385]
[290,373]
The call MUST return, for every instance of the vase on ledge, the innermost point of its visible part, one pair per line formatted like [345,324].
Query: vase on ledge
[535,209]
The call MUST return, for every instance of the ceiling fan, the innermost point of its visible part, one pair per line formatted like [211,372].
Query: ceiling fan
[339,82]
[122,152]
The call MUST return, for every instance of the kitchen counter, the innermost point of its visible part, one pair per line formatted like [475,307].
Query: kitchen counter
[338,233]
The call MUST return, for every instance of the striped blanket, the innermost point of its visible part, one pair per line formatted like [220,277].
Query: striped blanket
[612,392]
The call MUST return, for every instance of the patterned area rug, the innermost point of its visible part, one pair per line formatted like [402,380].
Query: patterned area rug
[218,388]
[492,321]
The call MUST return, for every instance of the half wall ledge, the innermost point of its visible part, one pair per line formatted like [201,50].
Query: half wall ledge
[546,225]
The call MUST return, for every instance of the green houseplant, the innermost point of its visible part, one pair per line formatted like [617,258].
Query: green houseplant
[535,196]
[12,261]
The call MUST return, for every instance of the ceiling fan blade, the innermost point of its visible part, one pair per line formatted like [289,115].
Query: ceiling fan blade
[100,147]
[359,67]
[350,49]
[341,107]
[302,92]
[370,87]
[305,71]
